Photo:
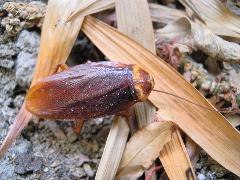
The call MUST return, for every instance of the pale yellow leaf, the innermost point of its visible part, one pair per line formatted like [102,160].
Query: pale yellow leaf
[113,149]
[90,7]
[164,14]
[144,147]
[175,159]
[216,16]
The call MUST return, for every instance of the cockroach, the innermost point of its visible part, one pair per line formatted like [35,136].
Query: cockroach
[89,90]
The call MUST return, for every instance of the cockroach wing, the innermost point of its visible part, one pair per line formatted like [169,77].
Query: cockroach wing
[84,91]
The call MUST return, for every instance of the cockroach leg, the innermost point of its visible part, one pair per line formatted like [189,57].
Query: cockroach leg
[78,124]
[60,67]
[125,114]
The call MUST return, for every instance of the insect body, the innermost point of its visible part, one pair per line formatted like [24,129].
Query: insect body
[88,91]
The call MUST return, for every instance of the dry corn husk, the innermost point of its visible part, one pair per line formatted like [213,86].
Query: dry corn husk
[165,14]
[88,7]
[143,148]
[113,149]
[207,128]
[216,16]
[175,159]
[200,38]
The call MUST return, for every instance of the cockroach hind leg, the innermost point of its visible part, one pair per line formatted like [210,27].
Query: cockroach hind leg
[60,67]
[78,124]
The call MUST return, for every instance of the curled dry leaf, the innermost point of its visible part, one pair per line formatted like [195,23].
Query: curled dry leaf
[200,38]
[144,147]
[216,16]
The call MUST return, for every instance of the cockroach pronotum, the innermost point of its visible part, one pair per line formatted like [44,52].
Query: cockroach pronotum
[91,90]
[88,91]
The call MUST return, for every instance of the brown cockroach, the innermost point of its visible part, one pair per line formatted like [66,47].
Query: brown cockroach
[88,91]
[91,90]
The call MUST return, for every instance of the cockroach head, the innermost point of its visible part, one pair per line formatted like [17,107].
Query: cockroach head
[143,82]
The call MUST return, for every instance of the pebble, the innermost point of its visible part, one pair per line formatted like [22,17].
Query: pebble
[201,177]
[23,147]
[27,163]
[87,168]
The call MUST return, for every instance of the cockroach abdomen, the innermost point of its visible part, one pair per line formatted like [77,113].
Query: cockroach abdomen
[88,91]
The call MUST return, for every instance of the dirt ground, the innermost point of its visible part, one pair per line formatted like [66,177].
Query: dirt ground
[38,153]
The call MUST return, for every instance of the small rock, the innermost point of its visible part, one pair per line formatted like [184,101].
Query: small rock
[23,147]
[27,163]
[6,63]
[87,168]
[18,101]
[46,169]
[201,177]
[28,41]
[24,68]
[78,173]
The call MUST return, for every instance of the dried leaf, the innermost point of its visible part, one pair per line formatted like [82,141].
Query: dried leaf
[138,25]
[144,147]
[200,38]
[90,7]
[175,159]
[217,17]
[21,121]
[113,149]
[207,128]
[165,14]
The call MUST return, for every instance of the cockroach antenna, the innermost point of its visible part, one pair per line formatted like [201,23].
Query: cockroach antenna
[196,104]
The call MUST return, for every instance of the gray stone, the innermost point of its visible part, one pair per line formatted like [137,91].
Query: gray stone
[201,177]
[23,147]
[87,168]
[24,68]
[28,41]
[27,163]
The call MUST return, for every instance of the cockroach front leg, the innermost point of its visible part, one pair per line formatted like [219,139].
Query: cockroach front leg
[60,67]
[78,124]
